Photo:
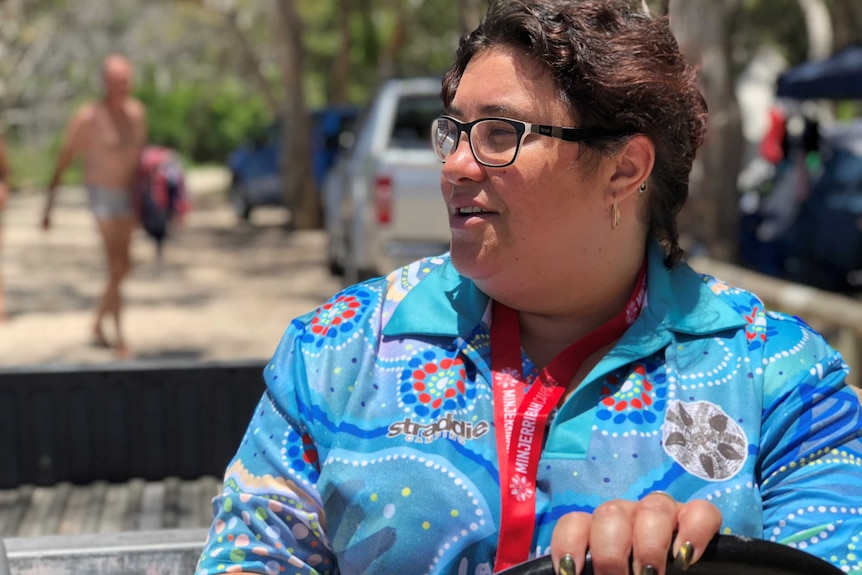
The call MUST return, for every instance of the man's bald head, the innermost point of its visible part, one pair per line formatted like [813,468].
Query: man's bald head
[117,77]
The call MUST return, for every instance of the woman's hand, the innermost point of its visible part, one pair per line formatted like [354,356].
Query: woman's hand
[642,531]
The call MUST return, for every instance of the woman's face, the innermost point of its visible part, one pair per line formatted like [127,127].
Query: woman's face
[543,220]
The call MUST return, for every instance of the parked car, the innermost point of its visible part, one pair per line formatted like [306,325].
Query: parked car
[382,205]
[256,166]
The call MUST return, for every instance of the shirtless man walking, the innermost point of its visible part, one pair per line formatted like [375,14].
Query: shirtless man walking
[108,135]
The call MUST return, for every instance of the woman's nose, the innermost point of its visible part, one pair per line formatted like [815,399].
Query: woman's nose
[462,163]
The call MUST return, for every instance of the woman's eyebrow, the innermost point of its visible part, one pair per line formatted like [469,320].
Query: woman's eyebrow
[491,110]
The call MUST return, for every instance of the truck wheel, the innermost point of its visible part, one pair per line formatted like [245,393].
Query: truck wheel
[240,206]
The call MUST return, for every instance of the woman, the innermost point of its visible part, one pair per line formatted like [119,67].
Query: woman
[668,406]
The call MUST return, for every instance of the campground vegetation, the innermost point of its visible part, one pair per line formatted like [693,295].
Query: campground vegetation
[214,73]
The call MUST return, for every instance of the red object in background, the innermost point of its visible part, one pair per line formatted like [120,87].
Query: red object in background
[771,146]
[161,197]
[383,198]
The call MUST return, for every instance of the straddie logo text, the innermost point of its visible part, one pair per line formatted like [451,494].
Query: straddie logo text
[448,427]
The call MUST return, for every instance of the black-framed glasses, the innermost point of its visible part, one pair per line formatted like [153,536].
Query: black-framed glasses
[495,142]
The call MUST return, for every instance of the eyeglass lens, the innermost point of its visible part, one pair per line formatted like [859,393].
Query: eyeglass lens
[494,142]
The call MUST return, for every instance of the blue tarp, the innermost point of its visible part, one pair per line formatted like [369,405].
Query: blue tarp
[838,77]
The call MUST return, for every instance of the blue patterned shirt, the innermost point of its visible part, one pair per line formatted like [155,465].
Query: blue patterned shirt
[373,448]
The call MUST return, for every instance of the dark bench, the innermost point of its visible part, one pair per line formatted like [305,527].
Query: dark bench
[123,421]
[116,424]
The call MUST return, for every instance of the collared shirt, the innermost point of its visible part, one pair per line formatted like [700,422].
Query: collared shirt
[373,448]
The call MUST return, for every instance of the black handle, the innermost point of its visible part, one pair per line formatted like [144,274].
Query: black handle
[725,555]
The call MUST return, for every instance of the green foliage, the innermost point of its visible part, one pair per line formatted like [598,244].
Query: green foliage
[419,36]
[848,110]
[776,22]
[31,166]
[203,122]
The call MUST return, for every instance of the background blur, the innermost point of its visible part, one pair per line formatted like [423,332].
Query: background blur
[214,73]
[218,75]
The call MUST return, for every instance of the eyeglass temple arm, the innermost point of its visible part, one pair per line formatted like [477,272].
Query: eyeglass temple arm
[573,134]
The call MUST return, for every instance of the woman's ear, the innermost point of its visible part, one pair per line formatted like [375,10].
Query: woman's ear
[634,164]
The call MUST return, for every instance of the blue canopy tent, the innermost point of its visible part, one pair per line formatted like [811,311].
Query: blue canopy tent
[838,77]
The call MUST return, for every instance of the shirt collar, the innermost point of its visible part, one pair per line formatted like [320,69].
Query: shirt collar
[681,301]
[445,303]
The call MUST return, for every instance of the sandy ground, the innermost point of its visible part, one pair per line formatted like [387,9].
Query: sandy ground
[223,290]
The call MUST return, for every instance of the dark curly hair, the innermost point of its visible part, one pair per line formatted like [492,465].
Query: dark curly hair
[615,67]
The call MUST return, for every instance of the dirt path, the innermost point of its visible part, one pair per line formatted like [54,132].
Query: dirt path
[222,291]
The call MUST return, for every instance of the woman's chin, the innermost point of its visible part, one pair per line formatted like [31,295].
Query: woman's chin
[471,262]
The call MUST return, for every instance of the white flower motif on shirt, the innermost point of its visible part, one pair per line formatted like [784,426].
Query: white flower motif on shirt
[520,488]
[508,378]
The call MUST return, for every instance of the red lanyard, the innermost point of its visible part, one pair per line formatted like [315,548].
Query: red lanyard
[520,418]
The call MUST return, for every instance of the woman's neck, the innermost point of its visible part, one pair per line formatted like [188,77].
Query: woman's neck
[543,337]
[545,334]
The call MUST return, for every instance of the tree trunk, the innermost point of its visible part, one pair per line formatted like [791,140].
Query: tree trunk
[818,25]
[709,222]
[299,192]
[341,66]
[396,41]
[847,21]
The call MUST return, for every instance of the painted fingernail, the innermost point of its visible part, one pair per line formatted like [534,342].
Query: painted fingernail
[684,555]
[649,570]
[567,565]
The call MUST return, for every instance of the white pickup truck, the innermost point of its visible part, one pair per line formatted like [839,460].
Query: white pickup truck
[382,203]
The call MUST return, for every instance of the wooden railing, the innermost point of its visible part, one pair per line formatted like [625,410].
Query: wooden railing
[837,317]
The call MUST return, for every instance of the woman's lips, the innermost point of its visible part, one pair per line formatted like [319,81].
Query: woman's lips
[464,216]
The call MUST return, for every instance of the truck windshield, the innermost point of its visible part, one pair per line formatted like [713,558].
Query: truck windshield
[412,126]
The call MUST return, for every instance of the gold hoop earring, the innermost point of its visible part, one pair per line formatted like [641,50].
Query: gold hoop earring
[643,187]
[615,219]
